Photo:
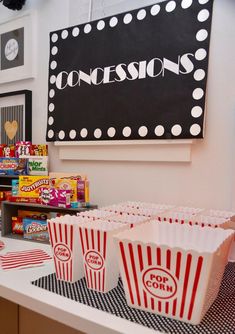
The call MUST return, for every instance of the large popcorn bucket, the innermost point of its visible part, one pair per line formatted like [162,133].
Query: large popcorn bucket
[129,220]
[64,239]
[99,256]
[173,270]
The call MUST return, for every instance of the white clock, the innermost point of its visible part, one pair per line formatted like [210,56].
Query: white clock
[11,49]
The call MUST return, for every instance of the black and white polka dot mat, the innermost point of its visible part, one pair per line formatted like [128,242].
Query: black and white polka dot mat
[220,319]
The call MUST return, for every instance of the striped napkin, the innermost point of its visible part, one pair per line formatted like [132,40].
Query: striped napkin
[24,259]
[2,245]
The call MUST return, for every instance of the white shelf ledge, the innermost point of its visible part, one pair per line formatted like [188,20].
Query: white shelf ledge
[127,150]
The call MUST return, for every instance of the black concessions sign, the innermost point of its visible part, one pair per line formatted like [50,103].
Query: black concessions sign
[136,75]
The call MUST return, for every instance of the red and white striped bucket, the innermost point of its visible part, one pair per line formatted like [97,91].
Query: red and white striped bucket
[99,256]
[173,270]
[63,232]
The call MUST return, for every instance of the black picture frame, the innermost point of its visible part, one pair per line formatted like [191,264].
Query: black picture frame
[27,110]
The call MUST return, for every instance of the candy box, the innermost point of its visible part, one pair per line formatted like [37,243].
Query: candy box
[17,225]
[29,186]
[13,166]
[37,165]
[9,151]
[66,184]
[35,229]
[171,269]
[55,197]
[39,150]
[22,148]
[66,248]
[38,215]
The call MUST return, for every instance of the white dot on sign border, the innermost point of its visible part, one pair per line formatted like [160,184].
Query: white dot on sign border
[101,25]
[111,132]
[126,131]
[170,6]
[198,93]
[199,74]
[143,131]
[72,134]
[61,134]
[52,79]
[52,93]
[113,22]
[200,54]
[203,15]
[51,107]
[155,10]
[127,18]
[196,111]
[64,34]
[87,28]
[50,120]
[202,35]
[195,129]
[50,134]
[186,3]
[203,2]
[97,133]
[83,133]
[159,130]
[53,65]
[54,38]
[141,14]
[54,50]
[75,32]
[176,130]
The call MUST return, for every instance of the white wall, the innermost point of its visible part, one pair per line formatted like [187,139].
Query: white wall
[208,181]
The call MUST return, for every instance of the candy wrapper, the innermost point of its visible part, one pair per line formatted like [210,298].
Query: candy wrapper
[23,148]
[13,166]
[39,150]
[29,186]
[55,197]
[9,151]
[35,229]
[17,225]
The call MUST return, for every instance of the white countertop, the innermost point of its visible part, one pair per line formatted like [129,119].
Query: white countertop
[15,285]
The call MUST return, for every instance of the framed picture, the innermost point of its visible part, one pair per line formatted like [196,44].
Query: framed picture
[17,48]
[16,116]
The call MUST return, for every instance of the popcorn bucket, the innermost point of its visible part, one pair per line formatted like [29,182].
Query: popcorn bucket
[130,220]
[64,240]
[176,217]
[99,256]
[173,270]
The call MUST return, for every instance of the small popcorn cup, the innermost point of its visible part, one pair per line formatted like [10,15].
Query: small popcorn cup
[176,217]
[67,254]
[188,210]
[95,214]
[99,256]
[130,220]
[173,270]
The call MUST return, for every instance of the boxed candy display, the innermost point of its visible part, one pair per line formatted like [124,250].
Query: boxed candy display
[13,166]
[37,165]
[29,186]
[55,197]
[35,229]
[173,270]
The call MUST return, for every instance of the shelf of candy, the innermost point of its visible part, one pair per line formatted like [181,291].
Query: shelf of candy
[23,158]
[31,225]
[69,192]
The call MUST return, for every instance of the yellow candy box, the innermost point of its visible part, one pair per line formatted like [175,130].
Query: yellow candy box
[29,186]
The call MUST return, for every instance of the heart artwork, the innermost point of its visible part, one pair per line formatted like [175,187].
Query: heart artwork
[11,129]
